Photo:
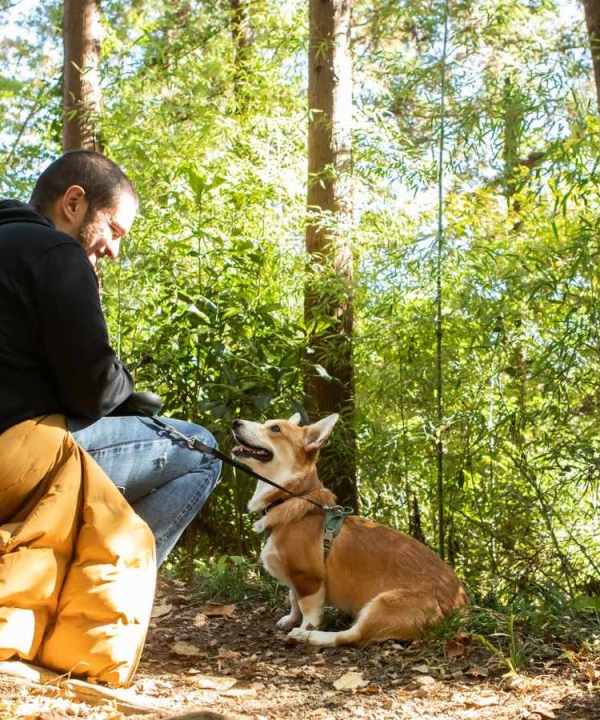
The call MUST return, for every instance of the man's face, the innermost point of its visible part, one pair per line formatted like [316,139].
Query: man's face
[101,230]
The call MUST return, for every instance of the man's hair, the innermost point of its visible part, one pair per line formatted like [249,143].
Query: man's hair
[101,178]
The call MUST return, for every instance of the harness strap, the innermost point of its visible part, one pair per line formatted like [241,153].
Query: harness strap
[334,519]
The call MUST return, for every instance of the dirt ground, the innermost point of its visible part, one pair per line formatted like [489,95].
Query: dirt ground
[231,660]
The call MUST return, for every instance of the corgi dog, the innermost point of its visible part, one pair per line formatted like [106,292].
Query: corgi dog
[393,585]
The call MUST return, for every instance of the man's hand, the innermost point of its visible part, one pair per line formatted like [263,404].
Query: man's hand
[139,403]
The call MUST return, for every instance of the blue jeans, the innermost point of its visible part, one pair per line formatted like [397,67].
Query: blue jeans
[165,481]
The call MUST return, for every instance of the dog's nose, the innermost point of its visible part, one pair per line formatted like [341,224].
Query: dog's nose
[236,423]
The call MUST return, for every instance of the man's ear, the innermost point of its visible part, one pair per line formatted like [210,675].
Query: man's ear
[295,419]
[317,433]
[73,203]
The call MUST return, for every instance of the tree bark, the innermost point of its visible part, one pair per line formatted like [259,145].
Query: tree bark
[329,370]
[81,79]
[241,33]
[592,20]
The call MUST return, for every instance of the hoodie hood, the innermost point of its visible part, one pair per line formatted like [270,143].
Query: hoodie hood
[13,211]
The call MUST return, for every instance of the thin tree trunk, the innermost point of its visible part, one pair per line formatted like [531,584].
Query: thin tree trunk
[592,20]
[329,370]
[81,99]
[514,121]
[241,32]
[439,308]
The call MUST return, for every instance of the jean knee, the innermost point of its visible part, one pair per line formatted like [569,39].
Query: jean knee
[218,467]
[209,439]
[205,436]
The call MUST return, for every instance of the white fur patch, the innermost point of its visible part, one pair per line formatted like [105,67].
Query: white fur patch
[260,525]
[269,557]
[311,607]
[257,501]
[313,637]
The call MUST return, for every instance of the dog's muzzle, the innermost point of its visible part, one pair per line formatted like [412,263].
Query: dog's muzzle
[248,450]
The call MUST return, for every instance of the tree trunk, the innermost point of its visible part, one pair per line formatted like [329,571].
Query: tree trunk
[439,307]
[241,33]
[514,123]
[329,370]
[81,80]
[592,19]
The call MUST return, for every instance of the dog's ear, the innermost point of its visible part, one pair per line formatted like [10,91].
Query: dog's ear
[317,433]
[295,419]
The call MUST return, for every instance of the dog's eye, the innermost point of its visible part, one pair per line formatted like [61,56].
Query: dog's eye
[275,428]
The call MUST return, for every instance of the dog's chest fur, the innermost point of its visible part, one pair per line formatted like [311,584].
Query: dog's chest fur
[271,561]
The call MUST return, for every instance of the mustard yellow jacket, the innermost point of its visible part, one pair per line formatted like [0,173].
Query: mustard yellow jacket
[77,565]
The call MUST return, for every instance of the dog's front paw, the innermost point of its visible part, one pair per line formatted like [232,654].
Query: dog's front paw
[259,526]
[287,622]
[299,635]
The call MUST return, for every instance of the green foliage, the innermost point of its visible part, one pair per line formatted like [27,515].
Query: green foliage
[523,633]
[229,579]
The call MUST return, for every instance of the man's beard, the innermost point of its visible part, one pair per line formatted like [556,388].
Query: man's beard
[87,233]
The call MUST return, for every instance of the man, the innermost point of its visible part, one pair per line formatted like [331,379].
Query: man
[55,356]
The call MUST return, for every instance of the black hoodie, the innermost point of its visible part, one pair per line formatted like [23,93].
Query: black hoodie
[55,356]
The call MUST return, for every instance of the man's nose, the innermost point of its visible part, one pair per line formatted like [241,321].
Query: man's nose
[112,248]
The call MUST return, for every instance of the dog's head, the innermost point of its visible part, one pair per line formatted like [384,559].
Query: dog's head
[280,450]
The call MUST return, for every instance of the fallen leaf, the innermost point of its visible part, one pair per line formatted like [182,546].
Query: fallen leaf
[213,682]
[477,671]
[370,690]
[457,646]
[226,654]
[199,620]
[187,649]
[475,713]
[483,700]
[421,669]
[424,680]
[240,692]
[545,711]
[320,714]
[350,681]
[161,609]
[214,610]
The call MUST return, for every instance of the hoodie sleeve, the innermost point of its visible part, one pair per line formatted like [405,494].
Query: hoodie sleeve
[91,380]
